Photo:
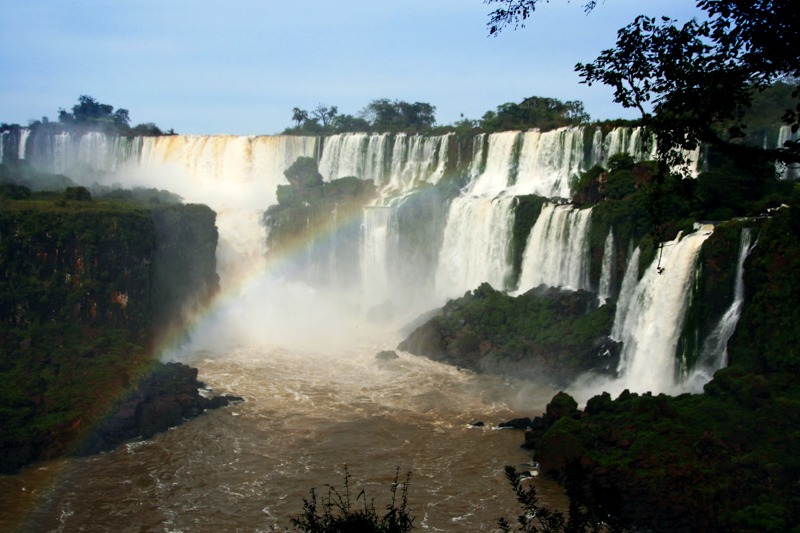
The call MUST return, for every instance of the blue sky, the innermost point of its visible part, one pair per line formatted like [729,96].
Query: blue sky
[240,66]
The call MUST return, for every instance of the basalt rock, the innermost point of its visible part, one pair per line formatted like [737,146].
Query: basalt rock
[169,396]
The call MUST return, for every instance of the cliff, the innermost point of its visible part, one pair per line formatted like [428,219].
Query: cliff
[721,461]
[85,289]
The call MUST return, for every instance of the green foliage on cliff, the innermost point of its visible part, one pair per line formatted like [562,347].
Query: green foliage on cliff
[84,288]
[544,333]
[316,218]
[695,462]
[726,459]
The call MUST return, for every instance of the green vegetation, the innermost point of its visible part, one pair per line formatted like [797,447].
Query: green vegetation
[90,115]
[535,112]
[87,285]
[321,215]
[385,116]
[544,333]
[340,514]
[379,116]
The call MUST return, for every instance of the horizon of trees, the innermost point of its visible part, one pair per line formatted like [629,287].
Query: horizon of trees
[386,116]
[91,115]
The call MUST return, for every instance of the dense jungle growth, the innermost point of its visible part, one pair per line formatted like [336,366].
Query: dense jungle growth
[88,287]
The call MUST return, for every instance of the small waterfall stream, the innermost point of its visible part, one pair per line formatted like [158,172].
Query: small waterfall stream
[650,317]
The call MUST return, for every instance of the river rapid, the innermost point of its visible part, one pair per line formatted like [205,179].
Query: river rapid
[307,413]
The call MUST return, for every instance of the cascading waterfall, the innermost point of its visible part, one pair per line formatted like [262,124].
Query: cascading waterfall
[500,166]
[549,161]
[475,247]
[235,176]
[361,155]
[416,159]
[378,238]
[557,252]
[606,270]
[23,142]
[715,348]
[649,318]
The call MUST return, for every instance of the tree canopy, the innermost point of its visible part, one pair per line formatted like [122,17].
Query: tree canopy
[535,112]
[381,116]
[91,115]
[90,111]
[694,82]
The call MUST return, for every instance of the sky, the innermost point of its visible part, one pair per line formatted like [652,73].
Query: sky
[240,66]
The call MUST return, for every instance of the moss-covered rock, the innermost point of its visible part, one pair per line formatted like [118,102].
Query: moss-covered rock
[545,334]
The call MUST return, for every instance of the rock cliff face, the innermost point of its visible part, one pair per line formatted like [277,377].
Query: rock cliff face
[85,289]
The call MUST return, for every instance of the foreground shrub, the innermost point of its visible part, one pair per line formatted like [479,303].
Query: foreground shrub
[337,513]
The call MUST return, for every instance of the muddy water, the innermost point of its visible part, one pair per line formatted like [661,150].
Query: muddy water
[247,467]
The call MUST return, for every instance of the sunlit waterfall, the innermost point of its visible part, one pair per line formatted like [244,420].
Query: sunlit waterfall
[649,318]
[361,155]
[549,161]
[23,143]
[416,159]
[501,165]
[235,176]
[557,252]
[475,248]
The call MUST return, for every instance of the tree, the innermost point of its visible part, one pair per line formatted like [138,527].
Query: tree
[387,116]
[349,123]
[535,112]
[90,111]
[325,114]
[299,116]
[693,83]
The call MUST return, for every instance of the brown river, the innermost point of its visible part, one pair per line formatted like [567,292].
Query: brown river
[307,413]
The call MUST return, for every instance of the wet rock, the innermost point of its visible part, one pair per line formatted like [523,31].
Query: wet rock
[166,398]
[386,355]
[517,423]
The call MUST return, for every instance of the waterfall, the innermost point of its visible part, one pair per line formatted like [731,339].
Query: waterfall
[557,252]
[792,170]
[649,318]
[475,247]
[23,142]
[500,165]
[715,348]
[236,176]
[416,159]
[355,154]
[606,270]
[549,161]
[98,150]
[378,239]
